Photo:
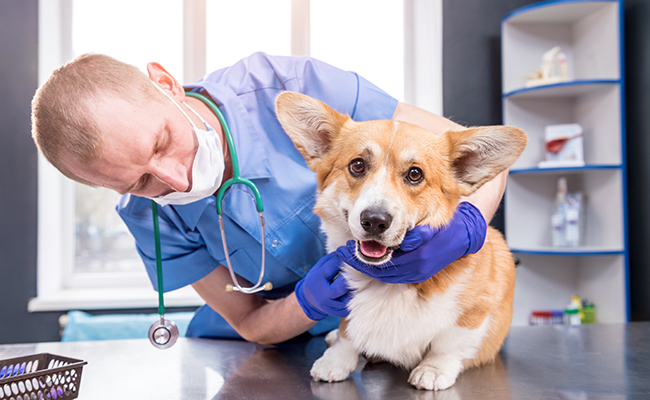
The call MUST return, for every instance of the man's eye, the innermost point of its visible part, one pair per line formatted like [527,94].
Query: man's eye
[166,141]
[357,167]
[143,182]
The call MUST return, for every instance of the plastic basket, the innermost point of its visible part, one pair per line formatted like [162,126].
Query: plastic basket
[40,376]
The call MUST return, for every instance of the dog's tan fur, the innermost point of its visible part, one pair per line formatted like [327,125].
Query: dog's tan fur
[455,164]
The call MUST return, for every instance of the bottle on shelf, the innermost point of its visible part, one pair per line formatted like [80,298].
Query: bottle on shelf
[567,220]
[573,314]
[558,219]
[573,229]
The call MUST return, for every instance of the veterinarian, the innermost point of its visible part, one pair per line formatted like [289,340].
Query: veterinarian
[104,123]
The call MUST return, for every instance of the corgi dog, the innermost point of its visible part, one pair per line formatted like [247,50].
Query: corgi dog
[459,318]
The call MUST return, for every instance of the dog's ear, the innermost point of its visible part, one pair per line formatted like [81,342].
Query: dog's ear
[311,124]
[479,154]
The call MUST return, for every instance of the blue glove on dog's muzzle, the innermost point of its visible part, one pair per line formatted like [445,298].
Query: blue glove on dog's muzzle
[425,251]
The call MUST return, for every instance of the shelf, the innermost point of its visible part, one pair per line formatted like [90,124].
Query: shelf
[562,170]
[567,89]
[555,12]
[548,282]
[595,105]
[589,33]
[578,251]
[530,200]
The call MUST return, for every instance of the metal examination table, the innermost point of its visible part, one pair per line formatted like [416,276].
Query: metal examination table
[549,362]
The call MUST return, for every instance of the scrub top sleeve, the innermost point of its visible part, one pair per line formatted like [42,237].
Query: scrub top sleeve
[373,103]
[185,258]
[176,273]
[344,91]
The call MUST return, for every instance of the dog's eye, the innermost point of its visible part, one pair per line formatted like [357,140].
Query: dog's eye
[357,167]
[415,175]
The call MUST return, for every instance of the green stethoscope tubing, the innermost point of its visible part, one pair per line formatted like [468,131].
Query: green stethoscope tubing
[163,333]
[236,179]
[159,275]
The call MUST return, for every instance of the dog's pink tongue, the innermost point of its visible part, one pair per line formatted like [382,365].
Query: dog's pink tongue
[370,248]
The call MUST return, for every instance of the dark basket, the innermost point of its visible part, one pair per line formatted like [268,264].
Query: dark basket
[40,376]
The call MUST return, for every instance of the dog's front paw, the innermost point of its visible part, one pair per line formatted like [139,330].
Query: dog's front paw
[330,369]
[338,362]
[431,378]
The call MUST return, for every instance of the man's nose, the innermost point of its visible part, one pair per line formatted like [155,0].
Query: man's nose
[172,173]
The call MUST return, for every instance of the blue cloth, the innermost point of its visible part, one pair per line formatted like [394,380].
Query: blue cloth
[83,326]
[191,241]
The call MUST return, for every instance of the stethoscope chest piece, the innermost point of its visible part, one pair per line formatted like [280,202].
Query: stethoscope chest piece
[163,333]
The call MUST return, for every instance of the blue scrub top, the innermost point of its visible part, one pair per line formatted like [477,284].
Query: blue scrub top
[190,236]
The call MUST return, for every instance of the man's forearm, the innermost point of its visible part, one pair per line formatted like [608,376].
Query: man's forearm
[255,319]
[488,197]
[276,321]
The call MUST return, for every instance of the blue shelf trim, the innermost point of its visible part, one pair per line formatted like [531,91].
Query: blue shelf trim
[569,253]
[560,84]
[543,4]
[563,169]
[621,35]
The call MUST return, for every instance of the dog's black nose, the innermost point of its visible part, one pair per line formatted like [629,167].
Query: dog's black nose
[375,221]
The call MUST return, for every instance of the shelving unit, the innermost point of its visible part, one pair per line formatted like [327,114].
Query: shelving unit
[590,34]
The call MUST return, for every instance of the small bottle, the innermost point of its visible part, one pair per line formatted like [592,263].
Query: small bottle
[572,317]
[589,312]
[558,219]
[573,314]
[573,220]
[558,317]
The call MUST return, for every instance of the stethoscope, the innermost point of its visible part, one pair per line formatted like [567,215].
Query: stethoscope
[164,333]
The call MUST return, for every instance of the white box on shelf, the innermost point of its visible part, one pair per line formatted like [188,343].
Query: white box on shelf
[564,146]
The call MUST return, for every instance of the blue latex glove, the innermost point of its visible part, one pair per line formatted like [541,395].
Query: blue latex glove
[425,251]
[319,294]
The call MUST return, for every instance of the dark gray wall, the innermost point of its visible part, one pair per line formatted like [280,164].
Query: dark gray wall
[471,67]
[637,70]
[18,176]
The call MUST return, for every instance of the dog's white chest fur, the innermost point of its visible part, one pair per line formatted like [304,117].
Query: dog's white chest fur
[393,322]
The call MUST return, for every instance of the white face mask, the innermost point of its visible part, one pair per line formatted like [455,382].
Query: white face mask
[208,167]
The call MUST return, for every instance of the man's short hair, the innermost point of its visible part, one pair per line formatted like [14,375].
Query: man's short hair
[62,126]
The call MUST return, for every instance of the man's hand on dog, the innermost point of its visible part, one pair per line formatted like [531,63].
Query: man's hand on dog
[425,251]
[322,292]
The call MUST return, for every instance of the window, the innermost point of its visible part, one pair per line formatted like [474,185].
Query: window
[86,256]
[236,29]
[368,39]
[150,30]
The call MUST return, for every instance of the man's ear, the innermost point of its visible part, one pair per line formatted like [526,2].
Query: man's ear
[159,75]
[311,124]
[479,154]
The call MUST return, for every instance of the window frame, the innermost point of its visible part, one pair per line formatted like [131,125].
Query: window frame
[57,289]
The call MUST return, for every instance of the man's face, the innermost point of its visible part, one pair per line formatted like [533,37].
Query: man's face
[148,148]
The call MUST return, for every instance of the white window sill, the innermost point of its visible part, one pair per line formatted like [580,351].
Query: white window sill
[112,298]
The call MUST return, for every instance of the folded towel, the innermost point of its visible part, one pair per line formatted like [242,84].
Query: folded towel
[83,326]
